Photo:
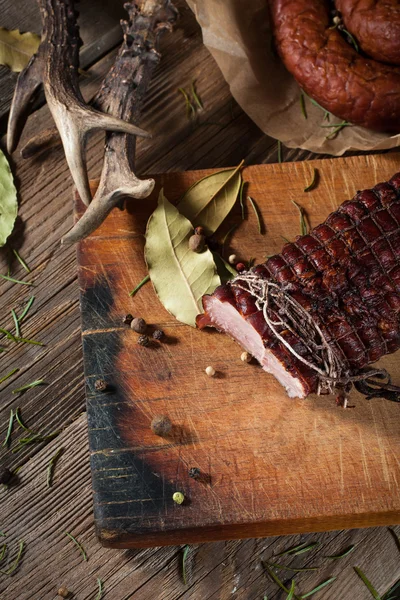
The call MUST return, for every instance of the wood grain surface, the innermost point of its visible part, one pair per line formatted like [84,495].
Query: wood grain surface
[274,465]
[29,511]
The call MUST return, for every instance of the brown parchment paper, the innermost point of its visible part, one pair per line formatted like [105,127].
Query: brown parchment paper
[238,35]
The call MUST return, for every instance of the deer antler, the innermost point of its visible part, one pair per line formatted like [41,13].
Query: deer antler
[56,66]
[122,94]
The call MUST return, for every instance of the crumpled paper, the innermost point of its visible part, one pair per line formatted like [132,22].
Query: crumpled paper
[238,35]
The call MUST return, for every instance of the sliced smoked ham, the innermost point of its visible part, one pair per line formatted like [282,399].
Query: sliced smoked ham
[328,305]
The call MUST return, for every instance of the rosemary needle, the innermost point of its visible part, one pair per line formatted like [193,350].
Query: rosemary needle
[313,181]
[15,280]
[5,377]
[26,309]
[51,467]
[303,222]
[20,422]
[77,544]
[3,551]
[16,323]
[16,562]
[196,96]
[100,592]
[190,110]
[28,386]
[300,549]
[278,582]
[184,557]
[21,261]
[291,591]
[303,105]
[319,587]
[367,583]
[342,554]
[285,567]
[256,212]
[139,285]
[9,429]
[241,197]
[279,151]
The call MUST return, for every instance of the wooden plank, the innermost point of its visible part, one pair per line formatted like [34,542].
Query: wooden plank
[218,571]
[100,32]
[249,440]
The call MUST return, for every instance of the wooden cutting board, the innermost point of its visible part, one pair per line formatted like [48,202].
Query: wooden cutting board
[273,465]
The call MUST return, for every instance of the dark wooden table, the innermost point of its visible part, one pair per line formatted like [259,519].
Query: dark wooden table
[40,516]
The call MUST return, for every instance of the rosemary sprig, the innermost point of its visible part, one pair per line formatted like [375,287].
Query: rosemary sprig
[12,337]
[15,280]
[26,309]
[279,151]
[100,592]
[9,429]
[35,438]
[28,386]
[77,544]
[190,110]
[278,582]
[139,285]
[285,567]
[51,467]
[319,587]
[256,212]
[300,549]
[184,557]
[337,127]
[303,222]
[16,323]
[21,261]
[303,105]
[196,96]
[342,554]
[241,197]
[16,561]
[8,375]
[313,181]
[367,583]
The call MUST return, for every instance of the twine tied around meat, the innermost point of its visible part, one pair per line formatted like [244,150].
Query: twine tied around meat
[282,312]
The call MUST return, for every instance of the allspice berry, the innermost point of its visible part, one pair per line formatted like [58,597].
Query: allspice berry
[127,320]
[63,592]
[161,425]
[199,230]
[100,385]
[240,267]
[196,243]
[143,340]
[5,476]
[158,334]
[139,325]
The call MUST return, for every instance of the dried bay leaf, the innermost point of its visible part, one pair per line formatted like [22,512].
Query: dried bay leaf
[208,201]
[8,200]
[16,49]
[180,276]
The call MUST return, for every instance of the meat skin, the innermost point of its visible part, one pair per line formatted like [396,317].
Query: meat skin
[376,26]
[354,88]
[345,274]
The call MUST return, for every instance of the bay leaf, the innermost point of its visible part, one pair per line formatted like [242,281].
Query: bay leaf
[208,201]
[8,200]
[180,276]
[16,49]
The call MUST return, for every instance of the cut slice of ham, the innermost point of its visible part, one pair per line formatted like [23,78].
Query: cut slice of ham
[345,278]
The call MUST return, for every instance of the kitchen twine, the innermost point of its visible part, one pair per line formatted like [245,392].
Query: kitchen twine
[333,372]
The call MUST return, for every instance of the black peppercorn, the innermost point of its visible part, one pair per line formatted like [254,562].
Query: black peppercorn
[127,320]
[158,334]
[194,473]
[139,325]
[5,476]
[143,340]
[100,385]
[161,425]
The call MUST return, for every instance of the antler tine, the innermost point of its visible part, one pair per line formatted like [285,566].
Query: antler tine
[122,94]
[57,63]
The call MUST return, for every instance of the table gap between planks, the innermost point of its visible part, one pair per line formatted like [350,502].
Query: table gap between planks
[38,515]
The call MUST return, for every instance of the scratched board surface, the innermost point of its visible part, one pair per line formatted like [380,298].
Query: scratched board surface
[273,465]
